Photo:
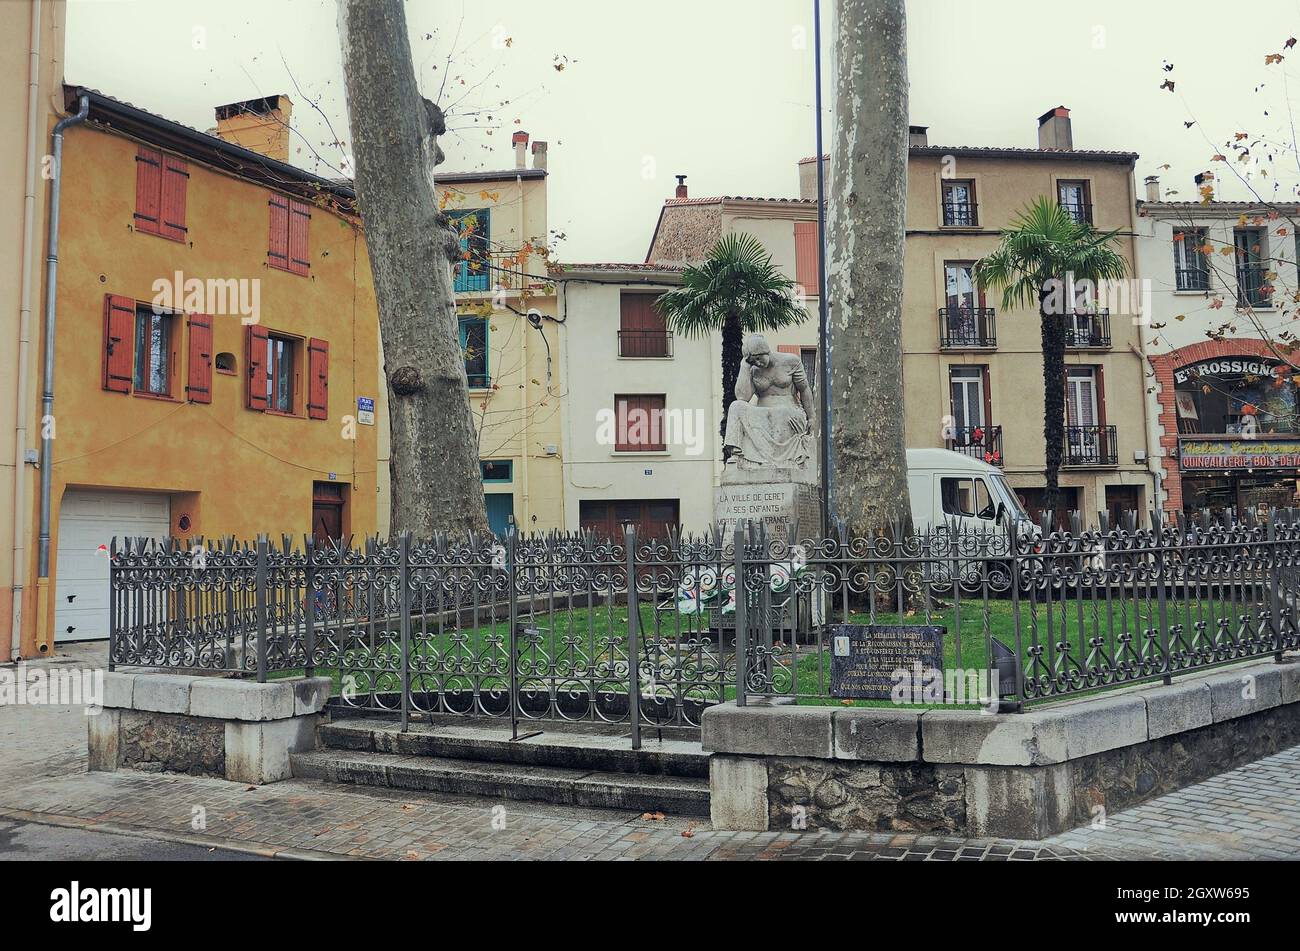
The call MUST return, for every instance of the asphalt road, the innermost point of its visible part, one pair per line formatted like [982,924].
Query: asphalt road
[28,841]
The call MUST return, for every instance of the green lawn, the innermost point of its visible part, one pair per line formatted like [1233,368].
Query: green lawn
[577,639]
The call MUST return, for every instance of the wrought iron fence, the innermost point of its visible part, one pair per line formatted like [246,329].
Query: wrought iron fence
[649,633]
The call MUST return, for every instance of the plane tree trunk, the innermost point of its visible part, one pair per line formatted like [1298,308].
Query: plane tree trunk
[435,476]
[866,217]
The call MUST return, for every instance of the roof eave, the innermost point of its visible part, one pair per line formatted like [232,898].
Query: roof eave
[179,138]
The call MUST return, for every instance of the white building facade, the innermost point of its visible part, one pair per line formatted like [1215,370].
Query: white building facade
[1223,400]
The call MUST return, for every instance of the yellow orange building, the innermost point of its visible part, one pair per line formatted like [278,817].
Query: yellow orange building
[215,351]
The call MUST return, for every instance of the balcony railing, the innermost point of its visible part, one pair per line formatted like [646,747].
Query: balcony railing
[962,328]
[645,343]
[1079,211]
[961,214]
[1088,331]
[1251,281]
[979,442]
[484,273]
[1192,278]
[1090,446]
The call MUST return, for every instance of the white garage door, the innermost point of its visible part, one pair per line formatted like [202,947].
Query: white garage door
[87,520]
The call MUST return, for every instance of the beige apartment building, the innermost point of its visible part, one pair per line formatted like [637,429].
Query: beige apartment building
[973,370]
[514,348]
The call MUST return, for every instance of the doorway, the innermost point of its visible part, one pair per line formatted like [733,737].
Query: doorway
[328,500]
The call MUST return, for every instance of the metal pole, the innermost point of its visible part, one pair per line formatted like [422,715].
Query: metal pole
[741,618]
[633,639]
[823,336]
[512,538]
[261,609]
[404,622]
[309,586]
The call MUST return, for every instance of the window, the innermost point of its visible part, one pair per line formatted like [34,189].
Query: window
[1251,246]
[226,363]
[153,352]
[472,272]
[1076,198]
[279,374]
[1081,396]
[640,421]
[290,220]
[474,344]
[959,283]
[160,185]
[642,331]
[808,355]
[1191,271]
[966,385]
[964,320]
[497,470]
[1236,396]
[967,498]
[807,258]
[275,377]
[959,209]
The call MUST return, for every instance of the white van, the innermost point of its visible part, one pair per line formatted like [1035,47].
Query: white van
[953,491]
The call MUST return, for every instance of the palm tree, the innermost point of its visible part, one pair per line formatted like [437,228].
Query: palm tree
[1046,251]
[738,291]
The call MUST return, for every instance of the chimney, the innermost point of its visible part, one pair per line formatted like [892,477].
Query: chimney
[682,190]
[261,125]
[1153,187]
[808,177]
[1054,130]
[520,141]
[539,155]
[918,137]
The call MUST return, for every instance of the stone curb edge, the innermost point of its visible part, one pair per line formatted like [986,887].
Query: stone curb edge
[205,841]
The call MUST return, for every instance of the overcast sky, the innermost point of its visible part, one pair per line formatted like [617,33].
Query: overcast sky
[720,90]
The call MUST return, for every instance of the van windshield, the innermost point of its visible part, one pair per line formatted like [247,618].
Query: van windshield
[1007,497]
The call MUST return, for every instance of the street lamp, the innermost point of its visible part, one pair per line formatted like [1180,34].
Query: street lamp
[823,337]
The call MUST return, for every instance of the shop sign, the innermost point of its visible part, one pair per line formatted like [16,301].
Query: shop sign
[1273,452]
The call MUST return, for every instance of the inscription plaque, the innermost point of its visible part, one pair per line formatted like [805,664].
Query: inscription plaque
[865,657]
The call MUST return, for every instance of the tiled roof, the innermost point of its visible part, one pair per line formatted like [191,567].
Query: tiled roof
[678,202]
[186,140]
[561,267]
[993,151]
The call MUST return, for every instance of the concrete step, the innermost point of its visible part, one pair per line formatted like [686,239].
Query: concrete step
[586,747]
[671,795]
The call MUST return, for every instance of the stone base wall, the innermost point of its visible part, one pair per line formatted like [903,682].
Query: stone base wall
[991,775]
[881,797]
[205,726]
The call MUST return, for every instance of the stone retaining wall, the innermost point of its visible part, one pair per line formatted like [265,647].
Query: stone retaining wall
[205,726]
[1026,775]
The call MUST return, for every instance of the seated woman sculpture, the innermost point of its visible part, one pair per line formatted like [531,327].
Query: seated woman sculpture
[770,424]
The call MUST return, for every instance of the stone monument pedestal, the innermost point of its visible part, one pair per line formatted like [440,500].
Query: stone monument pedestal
[780,506]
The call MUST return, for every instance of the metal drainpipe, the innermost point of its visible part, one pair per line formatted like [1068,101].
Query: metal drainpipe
[47,393]
[34,114]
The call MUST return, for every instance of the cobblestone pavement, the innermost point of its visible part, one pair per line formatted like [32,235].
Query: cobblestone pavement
[1251,812]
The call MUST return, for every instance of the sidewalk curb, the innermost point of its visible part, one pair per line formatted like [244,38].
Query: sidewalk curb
[203,841]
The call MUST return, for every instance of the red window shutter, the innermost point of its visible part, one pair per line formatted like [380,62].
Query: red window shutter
[148,190]
[278,254]
[807,258]
[255,347]
[175,178]
[199,388]
[299,221]
[119,333]
[318,372]
[639,420]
